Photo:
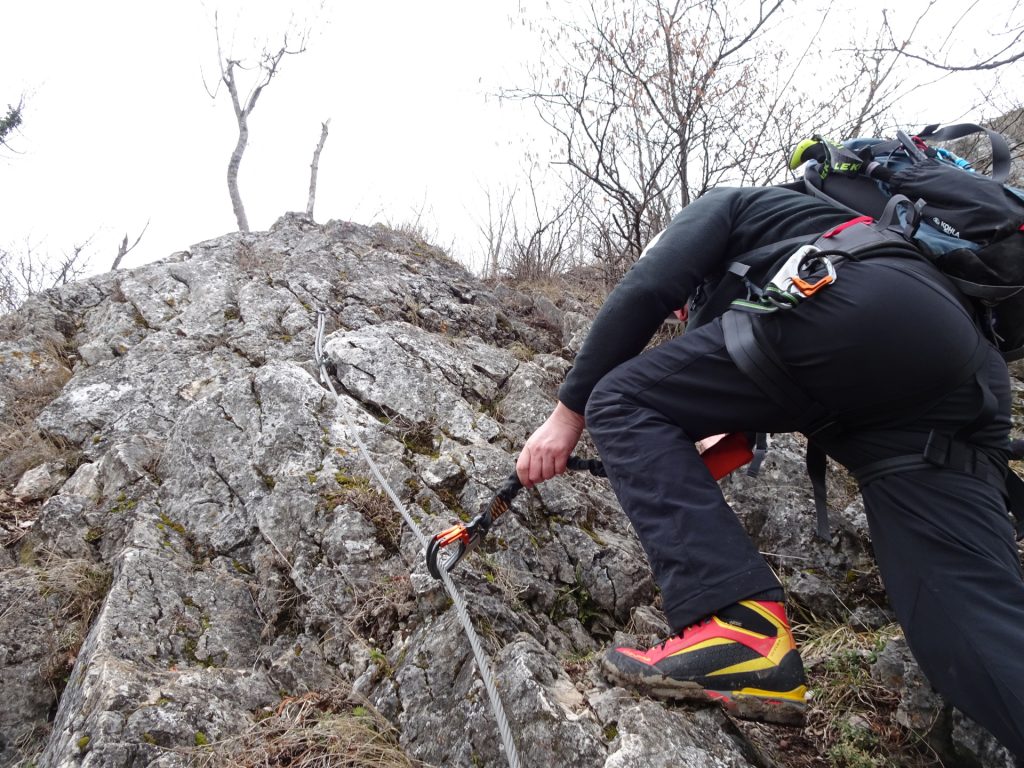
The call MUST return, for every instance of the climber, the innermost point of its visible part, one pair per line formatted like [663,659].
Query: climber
[892,364]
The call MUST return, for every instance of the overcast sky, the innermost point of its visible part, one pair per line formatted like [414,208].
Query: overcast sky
[119,129]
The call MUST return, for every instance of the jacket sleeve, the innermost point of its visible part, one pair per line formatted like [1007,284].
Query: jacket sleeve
[694,243]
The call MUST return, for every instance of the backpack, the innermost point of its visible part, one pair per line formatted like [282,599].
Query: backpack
[970,225]
[931,205]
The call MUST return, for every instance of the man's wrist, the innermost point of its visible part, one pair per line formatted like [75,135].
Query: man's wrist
[570,417]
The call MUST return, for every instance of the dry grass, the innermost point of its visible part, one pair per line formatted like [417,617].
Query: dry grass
[374,505]
[78,586]
[69,593]
[324,729]
[254,257]
[16,520]
[21,445]
[850,720]
[380,606]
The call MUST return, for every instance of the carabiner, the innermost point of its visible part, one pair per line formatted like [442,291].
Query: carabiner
[808,288]
[466,538]
[438,557]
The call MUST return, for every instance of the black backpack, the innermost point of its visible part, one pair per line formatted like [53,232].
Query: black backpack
[969,224]
[909,197]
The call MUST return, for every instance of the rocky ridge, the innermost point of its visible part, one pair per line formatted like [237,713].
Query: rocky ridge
[198,567]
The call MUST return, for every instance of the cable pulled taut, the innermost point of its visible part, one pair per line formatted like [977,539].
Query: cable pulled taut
[461,609]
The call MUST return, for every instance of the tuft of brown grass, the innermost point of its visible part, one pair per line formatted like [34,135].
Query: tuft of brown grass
[321,729]
[21,444]
[16,519]
[69,592]
[850,716]
[381,605]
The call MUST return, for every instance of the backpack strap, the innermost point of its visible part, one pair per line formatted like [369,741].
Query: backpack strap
[946,451]
[992,294]
[758,360]
[1001,162]
[812,187]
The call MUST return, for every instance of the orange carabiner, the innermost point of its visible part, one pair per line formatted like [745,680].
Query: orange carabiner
[809,289]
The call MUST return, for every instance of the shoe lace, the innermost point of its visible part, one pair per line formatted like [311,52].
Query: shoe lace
[683,631]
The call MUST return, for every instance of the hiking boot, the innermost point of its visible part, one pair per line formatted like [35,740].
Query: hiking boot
[744,657]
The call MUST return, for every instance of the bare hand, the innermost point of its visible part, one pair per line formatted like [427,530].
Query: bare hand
[547,451]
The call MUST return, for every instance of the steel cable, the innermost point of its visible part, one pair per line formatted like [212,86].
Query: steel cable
[461,610]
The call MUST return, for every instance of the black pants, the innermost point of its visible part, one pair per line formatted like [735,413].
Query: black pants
[876,342]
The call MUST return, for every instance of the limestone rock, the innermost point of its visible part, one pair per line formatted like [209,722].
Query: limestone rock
[201,547]
[39,482]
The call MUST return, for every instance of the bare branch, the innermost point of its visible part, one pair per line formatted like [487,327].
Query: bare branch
[124,249]
[1002,56]
[990,62]
[11,121]
[314,167]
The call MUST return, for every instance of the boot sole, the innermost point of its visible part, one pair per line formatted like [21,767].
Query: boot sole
[763,706]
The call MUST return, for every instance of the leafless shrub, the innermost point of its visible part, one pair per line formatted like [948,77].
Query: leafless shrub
[30,271]
[529,235]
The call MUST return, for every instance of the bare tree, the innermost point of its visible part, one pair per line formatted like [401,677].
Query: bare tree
[124,249]
[657,101]
[265,70]
[11,120]
[28,272]
[314,167]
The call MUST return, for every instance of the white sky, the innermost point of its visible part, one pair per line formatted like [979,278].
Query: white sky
[119,129]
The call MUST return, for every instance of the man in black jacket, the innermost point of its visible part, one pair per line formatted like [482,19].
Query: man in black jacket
[897,364]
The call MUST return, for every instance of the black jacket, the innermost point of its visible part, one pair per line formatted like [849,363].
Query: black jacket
[694,250]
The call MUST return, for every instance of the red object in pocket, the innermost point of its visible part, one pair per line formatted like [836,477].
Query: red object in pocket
[723,454]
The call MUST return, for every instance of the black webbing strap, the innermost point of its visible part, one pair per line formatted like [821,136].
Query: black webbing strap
[1015,498]
[945,451]
[760,450]
[1001,160]
[758,361]
[817,468]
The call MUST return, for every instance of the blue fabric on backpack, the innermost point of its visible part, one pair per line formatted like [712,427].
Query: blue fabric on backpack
[969,224]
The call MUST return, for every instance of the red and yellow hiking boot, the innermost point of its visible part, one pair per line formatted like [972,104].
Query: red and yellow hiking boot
[744,657]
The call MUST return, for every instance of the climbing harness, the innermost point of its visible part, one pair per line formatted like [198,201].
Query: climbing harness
[461,610]
[886,243]
[801,276]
